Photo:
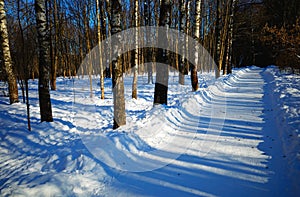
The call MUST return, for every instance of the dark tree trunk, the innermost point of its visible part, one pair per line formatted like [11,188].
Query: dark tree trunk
[223,40]
[162,72]
[182,16]
[25,70]
[147,13]
[217,71]
[54,48]
[44,62]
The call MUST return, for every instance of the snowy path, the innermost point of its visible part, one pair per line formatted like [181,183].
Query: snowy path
[246,159]
[232,138]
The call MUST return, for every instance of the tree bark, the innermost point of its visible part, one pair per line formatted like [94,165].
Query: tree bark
[182,17]
[194,77]
[25,68]
[117,74]
[188,32]
[216,39]
[54,57]
[149,52]
[44,62]
[228,66]
[162,72]
[11,78]
[86,21]
[100,49]
[136,54]
[224,36]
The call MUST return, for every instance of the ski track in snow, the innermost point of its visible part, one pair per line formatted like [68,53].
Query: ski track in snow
[236,136]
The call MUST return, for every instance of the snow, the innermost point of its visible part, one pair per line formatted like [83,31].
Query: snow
[236,136]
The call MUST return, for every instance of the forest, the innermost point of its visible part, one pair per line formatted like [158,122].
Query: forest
[149,98]
[55,42]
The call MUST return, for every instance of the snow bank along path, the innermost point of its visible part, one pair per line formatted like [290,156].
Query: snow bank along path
[242,132]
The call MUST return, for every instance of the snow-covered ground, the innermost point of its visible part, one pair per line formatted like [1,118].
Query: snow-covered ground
[236,136]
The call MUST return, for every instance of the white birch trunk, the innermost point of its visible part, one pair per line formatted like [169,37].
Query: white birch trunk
[117,72]
[136,58]
[11,78]
[100,50]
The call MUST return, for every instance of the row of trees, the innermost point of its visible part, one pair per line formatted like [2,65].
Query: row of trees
[234,32]
[44,61]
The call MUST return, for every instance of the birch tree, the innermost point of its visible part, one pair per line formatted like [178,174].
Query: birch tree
[182,19]
[136,58]
[216,38]
[44,61]
[117,73]
[228,60]
[100,49]
[194,77]
[11,78]
[188,32]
